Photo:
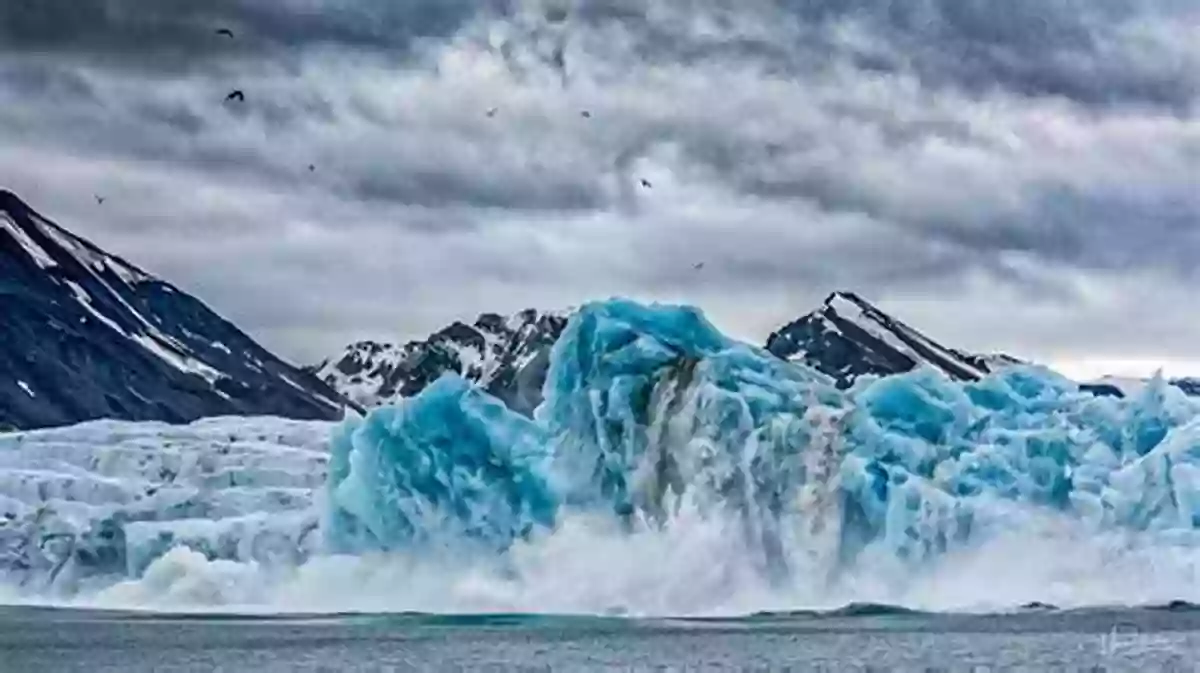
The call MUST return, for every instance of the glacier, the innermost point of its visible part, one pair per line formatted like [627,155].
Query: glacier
[659,440]
[451,464]
[83,504]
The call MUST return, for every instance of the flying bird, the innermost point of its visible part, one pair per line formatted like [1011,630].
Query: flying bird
[225,31]
[99,199]
[492,112]
[586,114]
[646,183]
[236,95]
[698,265]
[311,168]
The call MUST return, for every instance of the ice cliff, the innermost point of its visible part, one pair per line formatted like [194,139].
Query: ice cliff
[647,412]
[102,500]
[451,464]
[650,407]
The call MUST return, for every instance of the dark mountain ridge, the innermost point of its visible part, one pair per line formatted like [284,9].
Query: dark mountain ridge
[87,335]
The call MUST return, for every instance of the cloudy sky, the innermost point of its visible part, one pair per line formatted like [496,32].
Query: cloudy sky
[1020,175]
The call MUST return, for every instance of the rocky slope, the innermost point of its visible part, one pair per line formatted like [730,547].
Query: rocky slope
[87,335]
[847,337]
[507,355]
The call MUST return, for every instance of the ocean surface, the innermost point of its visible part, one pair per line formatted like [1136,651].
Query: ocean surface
[862,638]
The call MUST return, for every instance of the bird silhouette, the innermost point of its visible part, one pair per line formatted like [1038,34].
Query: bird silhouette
[586,114]
[492,112]
[236,95]
[225,31]
[311,168]
[99,199]
[646,183]
[698,265]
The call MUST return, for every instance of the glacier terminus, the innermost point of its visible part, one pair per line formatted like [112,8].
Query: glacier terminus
[658,441]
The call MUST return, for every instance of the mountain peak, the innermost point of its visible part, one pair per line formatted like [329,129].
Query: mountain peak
[848,304]
[841,296]
[89,335]
[8,197]
[506,355]
[46,245]
[848,337]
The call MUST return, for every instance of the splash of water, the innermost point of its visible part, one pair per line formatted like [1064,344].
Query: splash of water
[674,471]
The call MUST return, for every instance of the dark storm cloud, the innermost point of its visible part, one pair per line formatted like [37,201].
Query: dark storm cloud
[35,80]
[1096,52]
[1030,152]
[1070,48]
[443,188]
[167,33]
[1032,47]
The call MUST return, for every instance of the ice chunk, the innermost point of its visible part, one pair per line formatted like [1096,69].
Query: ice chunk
[648,408]
[452,464]
[930,458]
[650,405]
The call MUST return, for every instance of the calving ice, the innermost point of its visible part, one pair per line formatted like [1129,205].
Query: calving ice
[667,469]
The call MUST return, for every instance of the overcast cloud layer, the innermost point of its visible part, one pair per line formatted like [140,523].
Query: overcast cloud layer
[1017,175]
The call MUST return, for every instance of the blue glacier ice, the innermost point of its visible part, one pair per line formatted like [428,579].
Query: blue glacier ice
[452,464]
[651,417]
[650,407]
[640,400]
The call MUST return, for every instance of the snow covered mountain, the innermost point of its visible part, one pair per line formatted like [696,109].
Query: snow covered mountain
[847,337]
[86,335]
[508,356]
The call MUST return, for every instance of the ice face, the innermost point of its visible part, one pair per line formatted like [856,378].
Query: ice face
[450,465]
[651,420]
[929,458]
[107,498]
[648,406]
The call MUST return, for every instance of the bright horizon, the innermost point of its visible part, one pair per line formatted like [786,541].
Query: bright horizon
[1090,369]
